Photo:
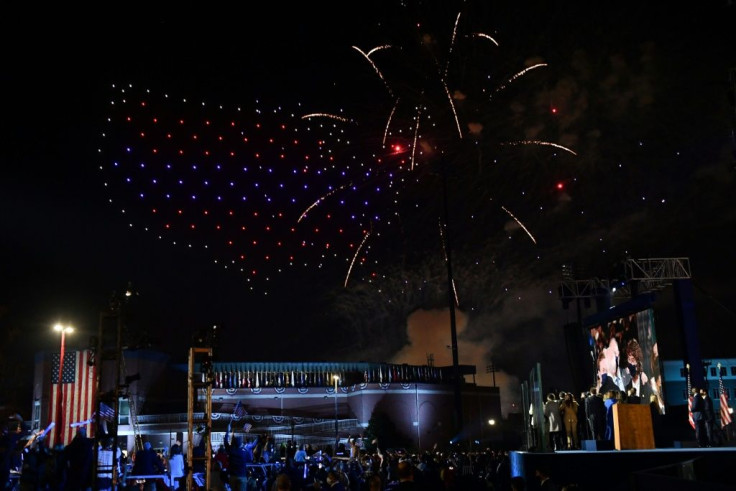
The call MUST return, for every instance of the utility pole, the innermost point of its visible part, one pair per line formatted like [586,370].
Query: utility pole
[451,297]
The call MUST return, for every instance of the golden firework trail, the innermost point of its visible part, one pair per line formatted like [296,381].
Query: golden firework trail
[520,74]
[326,115]
[322,198]
[388,123]
[367,57]
[484,36]
[452,45]
[355,256]
[520,224]
[454,112]
[444,252]
[537,142]
[416,137]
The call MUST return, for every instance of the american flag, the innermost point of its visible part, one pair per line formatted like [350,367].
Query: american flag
[725,409]
[77,394]
[247,427]
[239,411]
[689,398]
[106,412]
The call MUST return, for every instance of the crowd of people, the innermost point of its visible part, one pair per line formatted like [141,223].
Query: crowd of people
[246,464]
[28,463]
[362,467]
[569,421]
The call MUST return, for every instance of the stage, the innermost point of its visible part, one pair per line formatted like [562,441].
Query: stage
[673,469]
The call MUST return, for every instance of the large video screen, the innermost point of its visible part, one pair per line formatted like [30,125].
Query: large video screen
[625,358]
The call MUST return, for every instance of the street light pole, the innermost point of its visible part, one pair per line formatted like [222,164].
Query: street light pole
[337,438]
[492,369]
[59,390]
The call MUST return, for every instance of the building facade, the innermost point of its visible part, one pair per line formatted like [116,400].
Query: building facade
[311,402]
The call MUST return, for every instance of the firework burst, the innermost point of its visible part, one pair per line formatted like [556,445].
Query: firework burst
[444,146]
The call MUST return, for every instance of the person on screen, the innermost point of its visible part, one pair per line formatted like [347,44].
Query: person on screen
[638,387]
[598,341]
[616,332]
[609,373]
[656,380]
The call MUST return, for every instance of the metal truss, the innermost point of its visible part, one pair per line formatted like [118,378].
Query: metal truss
[571,289]
[641,276]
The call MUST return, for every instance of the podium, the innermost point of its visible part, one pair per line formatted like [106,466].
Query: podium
[632,426]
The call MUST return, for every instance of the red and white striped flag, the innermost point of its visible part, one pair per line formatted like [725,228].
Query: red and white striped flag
[77,395]
[725,409]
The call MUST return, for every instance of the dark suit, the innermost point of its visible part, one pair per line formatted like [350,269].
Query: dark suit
[608,384]
[709,419]
[633,399]
[78,457]
[644,392]
[147,462]
[595,410]
[697,408]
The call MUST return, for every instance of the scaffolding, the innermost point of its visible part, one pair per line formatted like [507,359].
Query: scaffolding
[108,347]
[199,412]
[133,406]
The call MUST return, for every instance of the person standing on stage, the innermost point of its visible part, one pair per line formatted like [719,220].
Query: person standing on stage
[709,418]
[554,421]
[697,408]
[595,410]
[569,410]
[583,428]
[534,440]
[609,399]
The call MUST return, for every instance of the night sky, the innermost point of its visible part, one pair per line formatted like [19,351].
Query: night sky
[167,149]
